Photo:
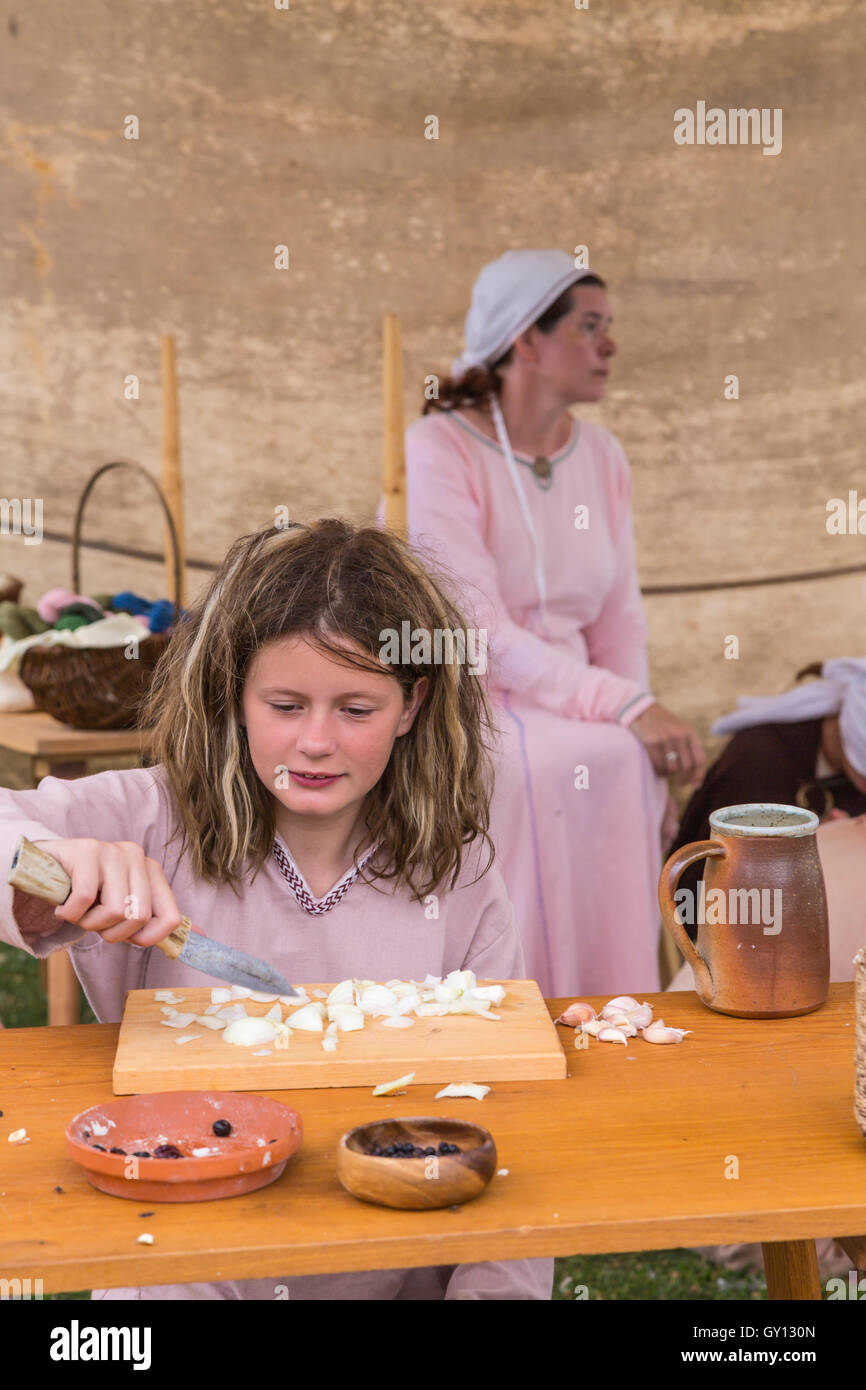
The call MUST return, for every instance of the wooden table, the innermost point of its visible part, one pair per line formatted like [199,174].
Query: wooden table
[57,750]
[630,1152]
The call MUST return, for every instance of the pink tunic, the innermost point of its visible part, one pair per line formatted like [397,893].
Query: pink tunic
[577,808]
[368,934]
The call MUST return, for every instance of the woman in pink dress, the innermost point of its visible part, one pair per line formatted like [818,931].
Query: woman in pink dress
[529,511]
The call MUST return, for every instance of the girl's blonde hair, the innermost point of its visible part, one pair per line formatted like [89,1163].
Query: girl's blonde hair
[328,582]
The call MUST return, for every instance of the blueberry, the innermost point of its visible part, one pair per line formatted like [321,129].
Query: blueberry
[427,1152]
[390,1151]
[142,1153]
[444,1147]
[101,1148]
[118,1151]
[222,1127]
[167,1151]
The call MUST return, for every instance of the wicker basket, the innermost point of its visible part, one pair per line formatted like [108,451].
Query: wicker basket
[98,687]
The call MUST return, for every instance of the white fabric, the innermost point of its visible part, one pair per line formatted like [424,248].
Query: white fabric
[505,446]
[509,295]
[115,631]
[842,691]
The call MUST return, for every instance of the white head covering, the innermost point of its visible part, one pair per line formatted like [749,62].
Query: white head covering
[842,691]
[509,295]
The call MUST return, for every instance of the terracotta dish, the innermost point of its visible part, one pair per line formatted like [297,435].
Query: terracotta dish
[264,1135]
[442,1180]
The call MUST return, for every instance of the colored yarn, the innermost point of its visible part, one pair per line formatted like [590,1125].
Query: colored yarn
[17,621]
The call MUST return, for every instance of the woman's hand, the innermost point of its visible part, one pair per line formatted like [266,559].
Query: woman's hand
[116,890]
[670,824]
[674,747]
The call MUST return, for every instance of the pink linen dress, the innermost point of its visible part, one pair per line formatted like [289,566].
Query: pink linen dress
[577,808]
[356,930]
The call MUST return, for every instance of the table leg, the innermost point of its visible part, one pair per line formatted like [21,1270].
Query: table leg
[791,1267]
[62,982]
[62,989]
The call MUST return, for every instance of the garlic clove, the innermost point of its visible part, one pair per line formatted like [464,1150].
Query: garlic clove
[577,1013]
[593,1026]
[620,1005]
[623,1022]
[610,1034]
[659,1032]
[641,1017]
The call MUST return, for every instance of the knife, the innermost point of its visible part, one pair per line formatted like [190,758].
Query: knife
[35,872]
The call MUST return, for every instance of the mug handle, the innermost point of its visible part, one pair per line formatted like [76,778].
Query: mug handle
[670,875]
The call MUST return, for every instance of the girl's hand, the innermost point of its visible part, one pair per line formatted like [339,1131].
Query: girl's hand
[674,747]
[116,890]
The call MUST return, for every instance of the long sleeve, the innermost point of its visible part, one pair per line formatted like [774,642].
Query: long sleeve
[445,516]
[617,640]
[99,807]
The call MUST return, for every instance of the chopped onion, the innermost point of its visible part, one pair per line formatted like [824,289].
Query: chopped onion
[388,1088]
[462,1088]
[208,1021]
[263,998]
[169,1012]
[495,993]
[398,1021]
[264,1052]
[220,996]
[308,1019]
[348,1018]
[343,993]
[240,992]
[329,1044]
[249,1032]
[232,1011]
[275,1012]
[320,994]
[376,997]
[188,1037]
[299,997]
[431,1010]
[144,1239]
[179,1021]
[168,996]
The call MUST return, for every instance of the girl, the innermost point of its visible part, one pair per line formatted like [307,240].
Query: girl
[307,799]
[532,509]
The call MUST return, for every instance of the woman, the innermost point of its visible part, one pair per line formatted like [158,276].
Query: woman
[530,510]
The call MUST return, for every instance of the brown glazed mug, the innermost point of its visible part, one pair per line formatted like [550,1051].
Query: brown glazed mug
[763,947]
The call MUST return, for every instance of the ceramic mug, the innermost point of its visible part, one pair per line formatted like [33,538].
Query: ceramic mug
[763,944]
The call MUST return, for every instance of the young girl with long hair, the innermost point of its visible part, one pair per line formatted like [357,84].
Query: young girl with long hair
[306,799]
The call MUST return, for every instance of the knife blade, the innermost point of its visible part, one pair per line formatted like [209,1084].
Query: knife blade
[38,873]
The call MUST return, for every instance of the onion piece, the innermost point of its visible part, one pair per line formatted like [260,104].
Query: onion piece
[343,993]
[495,993]
[240,992]
[308,1019]
[250,1032]
[398,1021]
[263,998]
[179,1021]
[388,1088]
[348,1017]
[329,1044]
[209,1021]
[462,1088]
[188,1037]
[431,1010]
[220,996]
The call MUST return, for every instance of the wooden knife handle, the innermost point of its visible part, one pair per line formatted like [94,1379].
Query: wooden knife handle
[38,873]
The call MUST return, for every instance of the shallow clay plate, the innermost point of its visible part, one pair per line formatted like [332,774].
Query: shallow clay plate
[264,1135]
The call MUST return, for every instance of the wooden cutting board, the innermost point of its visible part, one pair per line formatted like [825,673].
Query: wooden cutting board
[521,1046]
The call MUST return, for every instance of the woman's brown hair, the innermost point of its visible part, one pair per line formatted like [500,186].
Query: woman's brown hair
[329,582]
[475,386]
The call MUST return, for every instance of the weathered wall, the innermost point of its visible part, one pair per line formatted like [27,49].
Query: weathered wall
[306,127]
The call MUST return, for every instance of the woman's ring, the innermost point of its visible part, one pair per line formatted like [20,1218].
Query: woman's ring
[671,757]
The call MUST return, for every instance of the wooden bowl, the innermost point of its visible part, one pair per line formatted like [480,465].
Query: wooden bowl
[264,1136]
[443,1180]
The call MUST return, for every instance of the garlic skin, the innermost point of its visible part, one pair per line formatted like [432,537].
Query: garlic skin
[615,1035]
[576,1013]
[658,1032]
[642,1017]
[620,1005]
[624,1023]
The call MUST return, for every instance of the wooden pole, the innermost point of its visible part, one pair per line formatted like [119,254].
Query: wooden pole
[394,470]
[172,484]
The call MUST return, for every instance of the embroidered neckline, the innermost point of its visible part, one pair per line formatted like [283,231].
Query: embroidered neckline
[545,484]
[296,881]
